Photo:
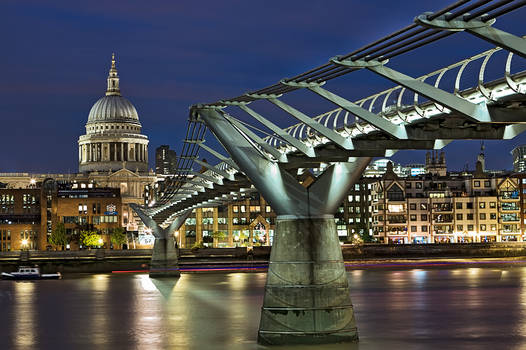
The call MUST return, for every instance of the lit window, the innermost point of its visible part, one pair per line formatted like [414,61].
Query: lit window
[395,208]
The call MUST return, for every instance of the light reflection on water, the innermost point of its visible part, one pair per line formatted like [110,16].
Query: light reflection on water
[471,308]
[23,306]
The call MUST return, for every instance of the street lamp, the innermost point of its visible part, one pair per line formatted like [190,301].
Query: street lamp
[24,243]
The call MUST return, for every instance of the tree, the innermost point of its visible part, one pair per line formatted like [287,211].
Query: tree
[118,237]
[198,245]
[217,235]
[58,236]
[90,239]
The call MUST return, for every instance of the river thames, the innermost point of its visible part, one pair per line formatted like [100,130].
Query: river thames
[455,308]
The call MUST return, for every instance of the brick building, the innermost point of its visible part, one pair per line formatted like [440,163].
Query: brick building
[29,215]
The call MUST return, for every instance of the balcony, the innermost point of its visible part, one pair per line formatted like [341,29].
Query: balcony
[509,195]
[509,217]
[443,219]
[397,219]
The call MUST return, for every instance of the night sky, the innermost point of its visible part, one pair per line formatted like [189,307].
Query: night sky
[171,54]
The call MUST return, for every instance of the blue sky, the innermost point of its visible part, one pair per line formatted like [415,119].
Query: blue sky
[171,54]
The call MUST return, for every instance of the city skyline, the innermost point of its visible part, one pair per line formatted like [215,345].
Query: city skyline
[59,57]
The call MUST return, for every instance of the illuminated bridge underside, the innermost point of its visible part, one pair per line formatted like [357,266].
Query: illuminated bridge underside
[307,291]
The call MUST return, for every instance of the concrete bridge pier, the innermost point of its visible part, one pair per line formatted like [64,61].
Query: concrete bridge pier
[164,262]
[307,296]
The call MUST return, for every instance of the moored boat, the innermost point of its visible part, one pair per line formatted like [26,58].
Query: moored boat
[29,273]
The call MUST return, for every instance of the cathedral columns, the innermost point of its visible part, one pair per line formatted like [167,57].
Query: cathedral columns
[122,151]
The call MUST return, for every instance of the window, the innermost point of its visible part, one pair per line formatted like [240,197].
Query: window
[482,216]
[483,227]
[493,216]
[470,227]
[267,209]
[412,217]
[460,217]
[482,205]
[470,216]
[423,206]
[476,183]
[207,221]
[412,206]
[510,206]
[493,227]
[469,205]
[458,205]
[243,209]
[356,187]
[418,185]
[235,209]
[413,228]
[424,228]
[395,208]
[460,228]
[486,183]
[509,217]
[408,185]
[423,217]
[492,204]
[395,193]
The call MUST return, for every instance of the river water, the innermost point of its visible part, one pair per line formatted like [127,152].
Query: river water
[464,308]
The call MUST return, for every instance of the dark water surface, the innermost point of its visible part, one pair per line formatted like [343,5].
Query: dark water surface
[467,308]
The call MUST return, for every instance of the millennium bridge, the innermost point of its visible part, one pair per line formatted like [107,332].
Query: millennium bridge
[307,296]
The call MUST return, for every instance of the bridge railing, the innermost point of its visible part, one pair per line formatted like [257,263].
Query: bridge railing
[400,113]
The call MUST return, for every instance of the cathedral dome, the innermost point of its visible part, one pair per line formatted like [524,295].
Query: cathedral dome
[113,138]
[113,108]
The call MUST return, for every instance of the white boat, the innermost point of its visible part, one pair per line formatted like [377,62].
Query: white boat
[29,273]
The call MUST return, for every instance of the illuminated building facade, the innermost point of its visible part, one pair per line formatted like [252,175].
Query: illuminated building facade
[28,216]
[446,209]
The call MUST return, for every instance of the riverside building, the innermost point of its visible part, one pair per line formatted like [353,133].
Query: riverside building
[29,215]
[452,208]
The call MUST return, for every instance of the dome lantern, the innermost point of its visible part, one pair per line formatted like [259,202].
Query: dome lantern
[113,79]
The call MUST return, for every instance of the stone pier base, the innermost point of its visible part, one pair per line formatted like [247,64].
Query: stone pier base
[164,261]
[307,296]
